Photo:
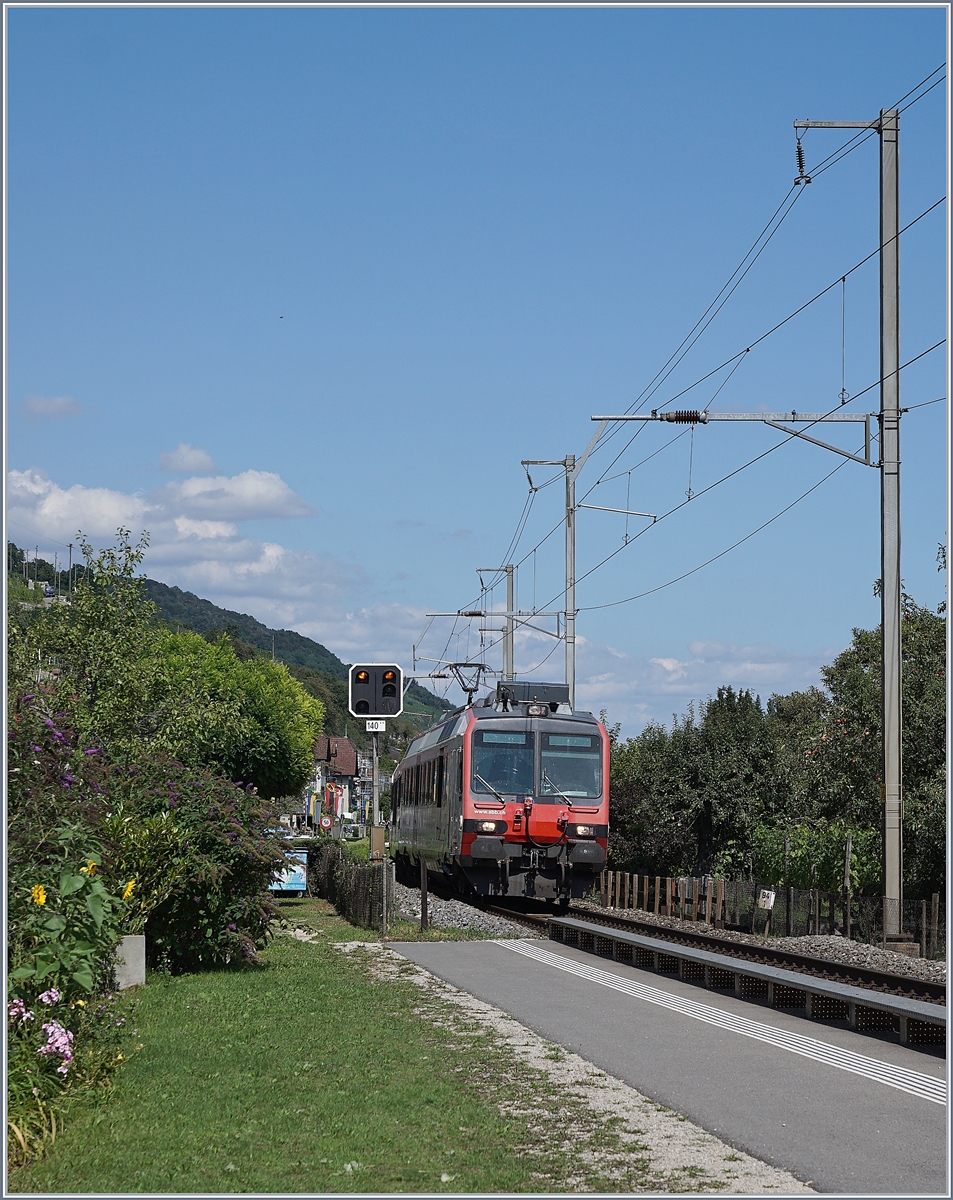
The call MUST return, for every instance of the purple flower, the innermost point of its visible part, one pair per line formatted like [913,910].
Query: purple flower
[17,1011]
[52,996]
[37,749]
[92,751]
[59,1041]
[233,928]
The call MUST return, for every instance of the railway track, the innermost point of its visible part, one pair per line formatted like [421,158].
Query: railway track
[819,968]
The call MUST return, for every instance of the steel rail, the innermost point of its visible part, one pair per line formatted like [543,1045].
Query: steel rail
[821,968]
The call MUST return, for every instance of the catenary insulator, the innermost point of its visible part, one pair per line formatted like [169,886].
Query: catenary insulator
[686,416]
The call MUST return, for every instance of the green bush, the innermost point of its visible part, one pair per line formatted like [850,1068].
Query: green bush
[64,917]
[816,854]
[217,908]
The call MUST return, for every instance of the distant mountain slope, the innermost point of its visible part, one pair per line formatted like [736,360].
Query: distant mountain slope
[191,611]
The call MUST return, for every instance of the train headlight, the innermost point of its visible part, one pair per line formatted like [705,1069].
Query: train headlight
[584,831]
[537,710]
[487,826]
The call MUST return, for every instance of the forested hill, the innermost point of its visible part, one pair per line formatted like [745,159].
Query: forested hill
[203,616]
[192,612]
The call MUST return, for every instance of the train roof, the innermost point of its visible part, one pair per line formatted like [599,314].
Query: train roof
[512,699]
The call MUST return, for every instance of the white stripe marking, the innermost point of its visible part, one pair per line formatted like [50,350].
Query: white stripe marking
[927,1087]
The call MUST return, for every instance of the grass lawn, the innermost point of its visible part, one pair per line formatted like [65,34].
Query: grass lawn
[304,1074]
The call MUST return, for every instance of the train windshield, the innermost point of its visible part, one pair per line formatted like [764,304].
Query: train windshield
[503,762]
[571,766]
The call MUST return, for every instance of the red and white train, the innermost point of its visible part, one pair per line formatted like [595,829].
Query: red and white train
[509,797]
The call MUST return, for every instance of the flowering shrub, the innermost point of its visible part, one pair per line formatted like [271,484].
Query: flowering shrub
[54,1049]
[40,1051]
[64,913]
[218,909]
[59,1043]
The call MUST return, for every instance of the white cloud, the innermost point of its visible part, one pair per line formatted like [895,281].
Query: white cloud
[319,596]
[196,544]
[50,408]
[186,458]
[247,496]
[40,504]
[204,529]
[635,690]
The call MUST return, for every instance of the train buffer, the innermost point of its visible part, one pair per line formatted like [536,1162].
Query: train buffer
[865,1010]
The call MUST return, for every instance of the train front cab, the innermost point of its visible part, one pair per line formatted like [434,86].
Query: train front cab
[503,803]
[535,819]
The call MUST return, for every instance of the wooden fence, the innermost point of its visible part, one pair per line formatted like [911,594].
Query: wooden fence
[771,909]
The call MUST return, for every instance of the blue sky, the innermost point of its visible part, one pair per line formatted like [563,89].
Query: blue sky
[297,289]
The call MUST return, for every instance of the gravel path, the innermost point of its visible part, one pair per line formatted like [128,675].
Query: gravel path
[833,949]
[456,914]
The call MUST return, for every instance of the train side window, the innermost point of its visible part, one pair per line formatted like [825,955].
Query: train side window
[439,786]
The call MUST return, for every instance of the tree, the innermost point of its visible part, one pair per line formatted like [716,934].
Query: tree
[250,720]
[104,644]
[130,684]
[719,790]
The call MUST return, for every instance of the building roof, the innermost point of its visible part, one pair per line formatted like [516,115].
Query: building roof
[339,752]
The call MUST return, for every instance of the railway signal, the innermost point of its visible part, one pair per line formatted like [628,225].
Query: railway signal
[375,690]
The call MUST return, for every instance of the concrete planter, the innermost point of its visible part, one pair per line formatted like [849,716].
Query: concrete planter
[131,961]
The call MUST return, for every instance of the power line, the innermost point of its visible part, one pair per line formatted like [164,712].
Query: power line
[836,155]
[20,525]
[771,520]
[701,566]
[911,407]
[710,487]
[864,135]
[877,382]
[730,475]
[542,661]
[727,290]
[705,320]
[800,309]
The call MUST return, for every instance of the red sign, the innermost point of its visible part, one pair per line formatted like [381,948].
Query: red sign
[326,822]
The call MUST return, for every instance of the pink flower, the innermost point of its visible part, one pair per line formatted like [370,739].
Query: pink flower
[59,1041]
[17,1011]
[50,997]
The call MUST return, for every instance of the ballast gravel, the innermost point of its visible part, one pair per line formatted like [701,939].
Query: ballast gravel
[833,949]
[682,1157]
[455,914]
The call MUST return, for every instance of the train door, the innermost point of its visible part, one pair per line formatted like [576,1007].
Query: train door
[453,803]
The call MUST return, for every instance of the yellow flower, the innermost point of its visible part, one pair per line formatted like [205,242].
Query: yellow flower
[38,893]
[128,892]
[89,869]
[80,1003]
